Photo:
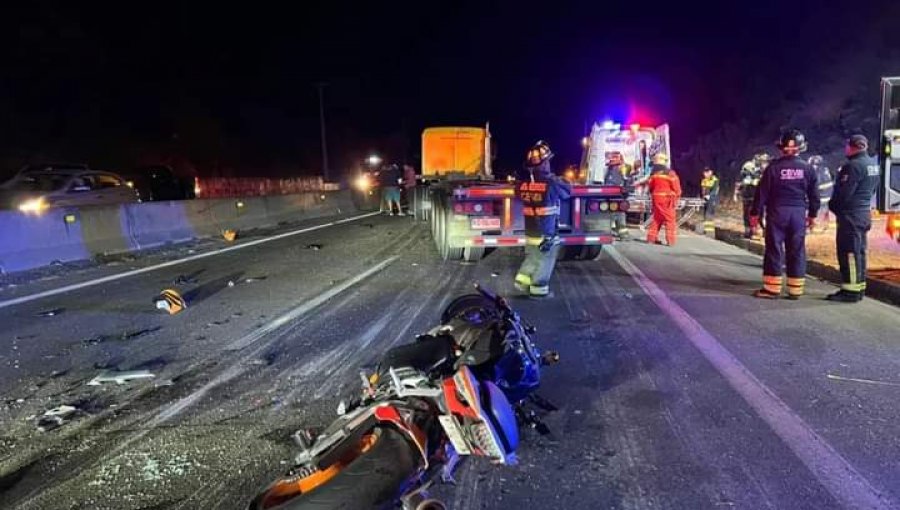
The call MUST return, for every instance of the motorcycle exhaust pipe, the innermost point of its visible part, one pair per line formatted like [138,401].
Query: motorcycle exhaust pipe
[421,501]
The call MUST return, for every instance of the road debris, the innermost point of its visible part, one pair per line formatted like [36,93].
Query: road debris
[184,279]
[229,234]
[171,301]
[314,247]
[55,417]
[863,381]
[495,274]
[255,279]
[231,283]
[51,313]
[126,335]
[120,377]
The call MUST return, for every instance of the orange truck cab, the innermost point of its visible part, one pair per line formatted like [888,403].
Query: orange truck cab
[470,211]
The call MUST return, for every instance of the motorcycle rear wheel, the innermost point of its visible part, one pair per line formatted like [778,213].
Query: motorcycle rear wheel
[372,480]
[469,302]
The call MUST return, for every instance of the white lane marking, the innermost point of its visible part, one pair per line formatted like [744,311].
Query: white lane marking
[119,276]
[833,471]
[239,367]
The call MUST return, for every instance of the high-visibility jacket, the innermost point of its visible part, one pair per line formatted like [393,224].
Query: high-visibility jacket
[541,195]
[710,188]
[664,182]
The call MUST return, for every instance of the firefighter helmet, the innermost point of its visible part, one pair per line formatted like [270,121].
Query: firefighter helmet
[538,153]
[660,159]
[815,160]
[792,142]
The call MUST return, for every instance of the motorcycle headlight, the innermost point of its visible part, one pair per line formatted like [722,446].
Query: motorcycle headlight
[34,206]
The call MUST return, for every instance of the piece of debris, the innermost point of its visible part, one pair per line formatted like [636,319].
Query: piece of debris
[229,235]
[255,279]
[231,283]
[51,313]
[368,225]
[314,247]
[628,295]
[414,264]
[120,377]
[863,381]
[495,274]
[55,417]
[171,301]
[183,280]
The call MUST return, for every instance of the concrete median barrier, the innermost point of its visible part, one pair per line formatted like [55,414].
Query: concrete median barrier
[72,234]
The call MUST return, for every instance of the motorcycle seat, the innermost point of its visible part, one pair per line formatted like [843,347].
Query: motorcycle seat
[426,354]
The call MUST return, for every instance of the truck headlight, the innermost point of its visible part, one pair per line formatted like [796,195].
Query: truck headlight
[34,206]
[362,183]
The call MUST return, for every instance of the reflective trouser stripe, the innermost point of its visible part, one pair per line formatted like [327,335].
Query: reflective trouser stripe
[795,286]
[524,279]
[533,241]
[773,283]
[853,285]
[539,290]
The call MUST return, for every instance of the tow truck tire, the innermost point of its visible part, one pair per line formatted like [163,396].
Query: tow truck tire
[473,253]
[587,252]
[372,480]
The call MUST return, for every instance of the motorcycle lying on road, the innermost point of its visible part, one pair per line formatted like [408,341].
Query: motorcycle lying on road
[462,389]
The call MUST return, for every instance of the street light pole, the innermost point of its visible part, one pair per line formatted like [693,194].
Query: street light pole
[325,172]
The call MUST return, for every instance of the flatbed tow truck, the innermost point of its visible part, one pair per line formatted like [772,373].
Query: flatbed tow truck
[470,212]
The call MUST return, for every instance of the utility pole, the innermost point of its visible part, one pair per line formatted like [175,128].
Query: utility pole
[325,172]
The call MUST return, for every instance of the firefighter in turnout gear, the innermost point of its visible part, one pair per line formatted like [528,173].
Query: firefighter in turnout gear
[788,195]
[746,190]
[853,190]
[709,187]
[826,187]
[665,190]
[618,174]
[541,193]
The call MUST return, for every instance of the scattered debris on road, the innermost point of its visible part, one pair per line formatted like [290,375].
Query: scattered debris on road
[863,381]
[229,235]
[255,279]
[314,247]
[171,301]
[51,313]
[127,335]
[55,418]
[231,283]
[184,279]
[120,377]
[495,274]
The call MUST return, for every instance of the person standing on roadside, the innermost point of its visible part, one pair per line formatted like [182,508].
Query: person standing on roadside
[856,183]
[389,179]
[709,187]
[788,195]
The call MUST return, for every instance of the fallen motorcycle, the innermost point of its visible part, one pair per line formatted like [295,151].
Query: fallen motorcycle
[462,389]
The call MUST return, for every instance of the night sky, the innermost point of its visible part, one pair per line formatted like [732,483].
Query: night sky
[233,88]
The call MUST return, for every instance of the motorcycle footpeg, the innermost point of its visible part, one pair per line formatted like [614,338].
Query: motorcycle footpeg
[542,402]
[550,358]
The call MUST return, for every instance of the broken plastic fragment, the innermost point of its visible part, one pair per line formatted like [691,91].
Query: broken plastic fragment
[51,313]
[120,377]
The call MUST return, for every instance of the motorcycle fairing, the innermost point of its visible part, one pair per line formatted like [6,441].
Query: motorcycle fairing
[463,395]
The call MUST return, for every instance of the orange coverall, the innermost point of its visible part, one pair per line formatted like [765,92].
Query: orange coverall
[665,190]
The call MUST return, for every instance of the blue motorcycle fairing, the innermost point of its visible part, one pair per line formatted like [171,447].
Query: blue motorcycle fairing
[502,415]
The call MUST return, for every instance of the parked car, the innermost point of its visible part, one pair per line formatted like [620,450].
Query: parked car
[159,182]
[39,187]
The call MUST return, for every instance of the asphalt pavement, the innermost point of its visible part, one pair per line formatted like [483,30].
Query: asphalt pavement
[676,389]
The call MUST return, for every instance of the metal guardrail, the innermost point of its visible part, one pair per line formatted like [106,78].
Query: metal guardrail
[689,207]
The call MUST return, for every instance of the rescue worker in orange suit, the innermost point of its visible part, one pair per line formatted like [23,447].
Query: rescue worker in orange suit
[665,190]
[541,193]
[856,183]
[618,174]
[788,194]
[709,187]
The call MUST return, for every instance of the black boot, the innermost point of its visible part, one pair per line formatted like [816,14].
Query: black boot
[845,296]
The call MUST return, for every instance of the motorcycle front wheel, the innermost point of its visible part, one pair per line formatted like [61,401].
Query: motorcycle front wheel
[373,479]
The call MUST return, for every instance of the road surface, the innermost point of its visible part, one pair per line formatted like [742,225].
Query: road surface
[676,389]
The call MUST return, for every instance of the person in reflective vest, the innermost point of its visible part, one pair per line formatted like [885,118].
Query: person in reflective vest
[856,183]
[541,193]
[826,187]
[665,191]
[746,191]
[618,174]
[788,194]
[709,187]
